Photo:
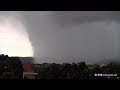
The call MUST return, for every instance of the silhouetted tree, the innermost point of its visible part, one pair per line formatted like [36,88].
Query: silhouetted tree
[10,67]
[13,64]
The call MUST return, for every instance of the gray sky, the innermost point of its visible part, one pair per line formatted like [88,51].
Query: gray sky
[14,39]
[70,36]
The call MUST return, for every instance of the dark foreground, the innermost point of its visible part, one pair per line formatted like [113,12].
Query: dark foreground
[12,68]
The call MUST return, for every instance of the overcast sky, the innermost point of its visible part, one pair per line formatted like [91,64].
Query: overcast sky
[66,36]
[14,39]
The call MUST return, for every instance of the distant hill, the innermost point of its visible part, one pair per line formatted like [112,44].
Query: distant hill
[107,61]
[27,60]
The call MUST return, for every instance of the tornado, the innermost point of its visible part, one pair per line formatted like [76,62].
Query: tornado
[73,36]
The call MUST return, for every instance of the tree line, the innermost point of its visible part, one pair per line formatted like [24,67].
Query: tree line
[77,71]
[11,68]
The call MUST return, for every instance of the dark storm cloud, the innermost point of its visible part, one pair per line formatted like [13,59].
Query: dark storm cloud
[60,36]
[77,17]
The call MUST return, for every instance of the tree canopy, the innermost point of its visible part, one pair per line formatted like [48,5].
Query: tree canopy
[10,67]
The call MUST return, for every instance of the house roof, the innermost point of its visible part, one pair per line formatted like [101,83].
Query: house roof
[27,68]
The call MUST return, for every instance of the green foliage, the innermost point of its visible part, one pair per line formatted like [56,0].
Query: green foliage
[76,71]
[64,71]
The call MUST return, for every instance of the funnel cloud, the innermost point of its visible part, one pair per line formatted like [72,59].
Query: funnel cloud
[73,36]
